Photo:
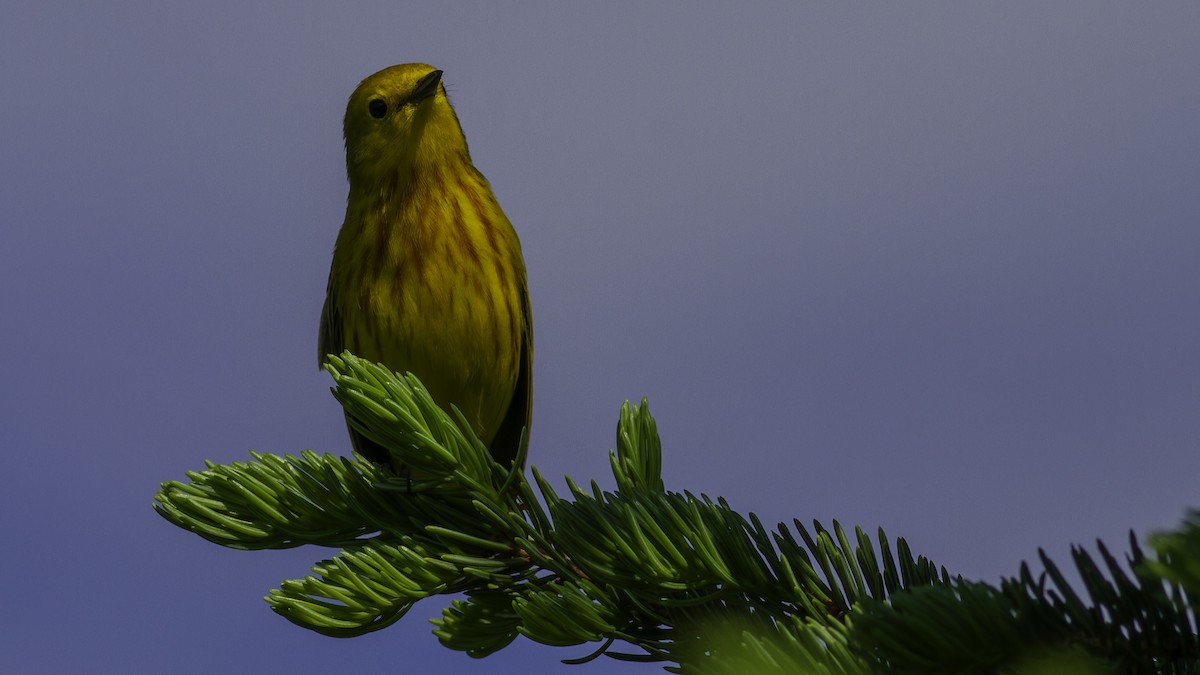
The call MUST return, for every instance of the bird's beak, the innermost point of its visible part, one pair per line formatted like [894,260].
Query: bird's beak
[426,87]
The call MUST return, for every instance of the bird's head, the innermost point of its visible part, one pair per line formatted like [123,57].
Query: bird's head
[397,119]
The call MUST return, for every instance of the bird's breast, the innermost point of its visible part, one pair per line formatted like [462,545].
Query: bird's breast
[431,287]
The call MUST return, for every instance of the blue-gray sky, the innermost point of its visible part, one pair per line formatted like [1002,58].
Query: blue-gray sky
[925,266]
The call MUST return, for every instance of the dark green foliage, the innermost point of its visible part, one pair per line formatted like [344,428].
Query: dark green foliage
[675,577]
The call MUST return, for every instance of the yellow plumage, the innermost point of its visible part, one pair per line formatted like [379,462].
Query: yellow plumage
[427,273]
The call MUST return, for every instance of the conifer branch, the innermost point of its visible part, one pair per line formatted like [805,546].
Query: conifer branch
[675,577]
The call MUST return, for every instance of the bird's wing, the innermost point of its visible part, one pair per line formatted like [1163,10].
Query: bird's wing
[330,341]
[507,441]
[329,334]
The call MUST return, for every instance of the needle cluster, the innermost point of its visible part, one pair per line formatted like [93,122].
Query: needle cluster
[642,573]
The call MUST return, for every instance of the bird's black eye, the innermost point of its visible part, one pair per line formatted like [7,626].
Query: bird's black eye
[377,107]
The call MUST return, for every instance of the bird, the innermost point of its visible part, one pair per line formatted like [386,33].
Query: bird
[427,274]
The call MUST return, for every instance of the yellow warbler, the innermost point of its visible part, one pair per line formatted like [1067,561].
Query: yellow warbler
[427,272]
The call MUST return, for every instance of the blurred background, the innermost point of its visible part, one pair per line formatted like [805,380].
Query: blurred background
[925,266]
